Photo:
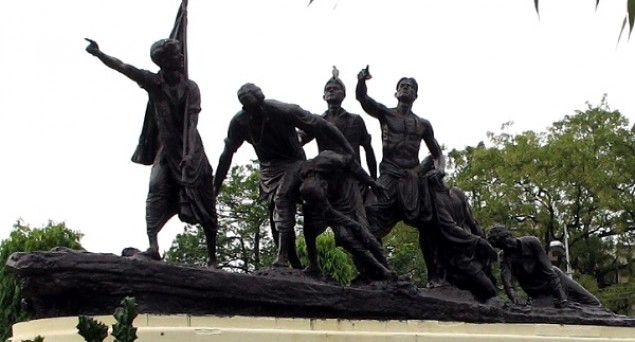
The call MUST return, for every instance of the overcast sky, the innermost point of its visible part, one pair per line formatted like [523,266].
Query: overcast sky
[68,124]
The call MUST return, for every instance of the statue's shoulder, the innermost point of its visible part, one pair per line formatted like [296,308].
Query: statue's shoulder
[192,84]
[530,239]
[532,242]
[423,121]
[356,118]
[352,116]
[150,78]
[281,108]
[239,119]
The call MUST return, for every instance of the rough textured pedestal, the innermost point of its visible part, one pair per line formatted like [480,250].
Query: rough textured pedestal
[60,284]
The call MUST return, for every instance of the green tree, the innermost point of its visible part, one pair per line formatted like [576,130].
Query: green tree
[578,175]
[23,238]
[404,255]
[244,241]
[618,298]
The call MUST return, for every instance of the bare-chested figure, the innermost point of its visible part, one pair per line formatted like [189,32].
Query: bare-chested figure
[401,133]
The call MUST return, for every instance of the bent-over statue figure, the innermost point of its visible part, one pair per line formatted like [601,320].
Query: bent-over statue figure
[329,186]
[462,255]
[270,127]
[525,259]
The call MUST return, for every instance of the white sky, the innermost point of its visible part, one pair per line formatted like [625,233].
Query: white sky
[68,124]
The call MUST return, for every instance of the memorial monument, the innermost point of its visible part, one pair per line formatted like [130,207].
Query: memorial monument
[289,303]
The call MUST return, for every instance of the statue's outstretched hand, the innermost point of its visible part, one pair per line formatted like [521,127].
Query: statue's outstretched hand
[364,74]
[92,47]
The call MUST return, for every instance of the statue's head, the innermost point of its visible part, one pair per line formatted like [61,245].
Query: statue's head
[250,95]
[407,89]
[501,237]
[334,91]
[167,54]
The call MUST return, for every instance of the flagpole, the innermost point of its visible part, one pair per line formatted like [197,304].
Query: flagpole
[184,38]
[181,27]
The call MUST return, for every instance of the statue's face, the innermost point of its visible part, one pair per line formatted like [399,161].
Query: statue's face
[173,61]
[312,190]
[333,93]
[406,91]
[509,243]
[250,98]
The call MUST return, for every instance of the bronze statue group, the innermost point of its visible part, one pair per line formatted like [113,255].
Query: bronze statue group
[332,188]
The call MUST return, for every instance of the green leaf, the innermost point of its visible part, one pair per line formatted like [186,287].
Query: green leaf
[23,238]
[244,243]
[123,330]
[631,16]
[36,339]
[622,29]
[91,330]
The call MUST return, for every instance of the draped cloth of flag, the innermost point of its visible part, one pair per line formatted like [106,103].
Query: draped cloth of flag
[148,145]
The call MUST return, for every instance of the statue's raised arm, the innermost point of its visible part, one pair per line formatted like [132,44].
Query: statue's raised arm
[114,63]
[370,106]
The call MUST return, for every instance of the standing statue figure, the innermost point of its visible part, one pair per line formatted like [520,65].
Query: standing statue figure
[351,125]
[525,259]
[402,133]
[270,127]
[181,180]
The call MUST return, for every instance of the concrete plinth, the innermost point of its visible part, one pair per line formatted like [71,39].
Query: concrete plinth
[153,328]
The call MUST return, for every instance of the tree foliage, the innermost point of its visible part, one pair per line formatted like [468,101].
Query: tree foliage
[23,238]
[123,330]
[404,255]
[334,261]
[578,174]
[244,241]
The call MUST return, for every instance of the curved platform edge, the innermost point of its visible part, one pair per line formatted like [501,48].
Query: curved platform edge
[171,328]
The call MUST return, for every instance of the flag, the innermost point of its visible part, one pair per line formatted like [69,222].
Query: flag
[148,145]
[179,32]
